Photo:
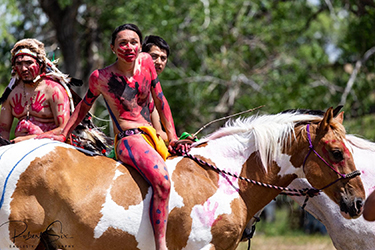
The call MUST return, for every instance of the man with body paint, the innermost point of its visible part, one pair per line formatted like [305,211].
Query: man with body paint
[36,95]
[126,86]
[158,48]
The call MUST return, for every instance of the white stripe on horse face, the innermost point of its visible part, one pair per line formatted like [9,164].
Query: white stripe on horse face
[14,160]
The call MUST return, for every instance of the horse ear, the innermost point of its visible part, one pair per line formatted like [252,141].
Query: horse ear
[340,117]
[324,124]
[337,110]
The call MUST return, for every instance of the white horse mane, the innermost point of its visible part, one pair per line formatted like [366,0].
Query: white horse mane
[360,142]
[268,133]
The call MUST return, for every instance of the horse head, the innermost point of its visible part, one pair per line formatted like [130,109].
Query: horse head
[328,164]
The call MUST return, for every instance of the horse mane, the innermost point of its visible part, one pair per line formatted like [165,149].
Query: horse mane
[269,133]
[360,142]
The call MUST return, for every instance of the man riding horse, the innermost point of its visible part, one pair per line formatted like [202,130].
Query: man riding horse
[126,86]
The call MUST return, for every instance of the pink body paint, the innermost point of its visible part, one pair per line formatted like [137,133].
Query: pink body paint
[228,184]
[334,162]
[207,215]
[61,119]
[135,151]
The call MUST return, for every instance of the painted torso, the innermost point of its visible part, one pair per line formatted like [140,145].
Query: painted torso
[32,106]
[127,97]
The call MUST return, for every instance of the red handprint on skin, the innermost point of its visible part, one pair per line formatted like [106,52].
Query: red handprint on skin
[37,105]
[18,108]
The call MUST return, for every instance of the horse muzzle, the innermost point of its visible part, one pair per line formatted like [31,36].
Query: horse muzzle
[351,208]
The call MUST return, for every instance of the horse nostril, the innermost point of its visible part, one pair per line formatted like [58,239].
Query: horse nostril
[359,204]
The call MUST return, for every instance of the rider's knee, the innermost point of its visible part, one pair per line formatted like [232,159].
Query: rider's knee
[162,189]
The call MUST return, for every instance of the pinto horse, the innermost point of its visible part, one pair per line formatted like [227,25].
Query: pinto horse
[355,234]
[56,197]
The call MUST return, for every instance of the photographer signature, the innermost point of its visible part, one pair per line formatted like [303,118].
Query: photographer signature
[52,235]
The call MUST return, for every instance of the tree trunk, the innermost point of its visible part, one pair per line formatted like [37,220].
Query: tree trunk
[66,26]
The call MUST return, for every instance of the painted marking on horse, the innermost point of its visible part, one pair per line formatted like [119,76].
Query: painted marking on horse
[12,166]
[205,215]
[15,165]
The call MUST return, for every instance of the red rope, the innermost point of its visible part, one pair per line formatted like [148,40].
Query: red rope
[308,192]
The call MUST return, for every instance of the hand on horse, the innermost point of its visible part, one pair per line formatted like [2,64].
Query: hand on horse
[180,146]
[22,138]
[52,136]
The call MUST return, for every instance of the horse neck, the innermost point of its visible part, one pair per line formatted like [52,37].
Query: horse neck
[281,170]
[364,155]
[256,196]
[236,155]
[227,153]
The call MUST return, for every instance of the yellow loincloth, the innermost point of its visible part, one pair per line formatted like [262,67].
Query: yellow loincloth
[153,139]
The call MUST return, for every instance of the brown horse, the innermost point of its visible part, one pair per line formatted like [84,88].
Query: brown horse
[55,197]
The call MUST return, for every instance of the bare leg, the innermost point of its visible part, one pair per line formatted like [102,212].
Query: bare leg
[136,152]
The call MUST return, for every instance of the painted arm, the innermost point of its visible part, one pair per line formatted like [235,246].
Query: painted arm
[60,107]
[155,120]
[79,113]
[165,113]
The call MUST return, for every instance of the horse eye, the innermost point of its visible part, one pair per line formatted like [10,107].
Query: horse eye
[337,154]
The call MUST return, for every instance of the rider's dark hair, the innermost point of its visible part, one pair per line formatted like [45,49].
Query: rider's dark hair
[127,26]
[152,40]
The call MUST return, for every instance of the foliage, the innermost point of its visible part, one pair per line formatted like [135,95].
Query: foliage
[227,56]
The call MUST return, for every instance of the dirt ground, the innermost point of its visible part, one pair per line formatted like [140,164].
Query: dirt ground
[261,242]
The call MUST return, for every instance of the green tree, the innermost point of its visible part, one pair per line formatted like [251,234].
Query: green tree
[227,56]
